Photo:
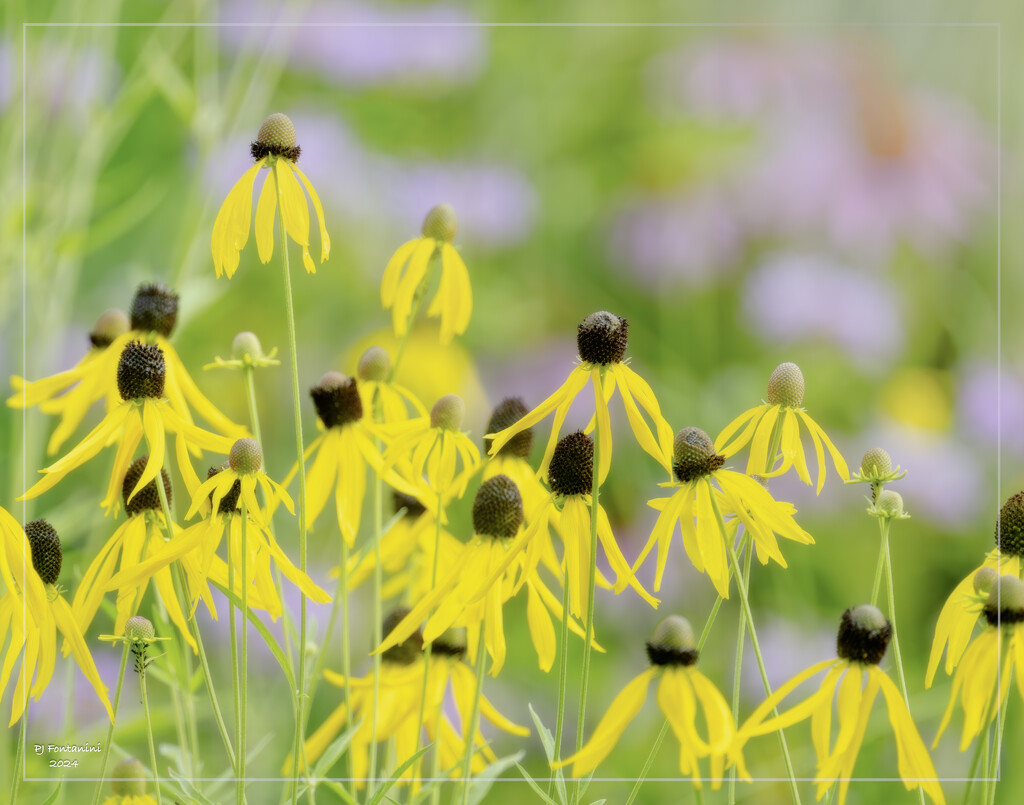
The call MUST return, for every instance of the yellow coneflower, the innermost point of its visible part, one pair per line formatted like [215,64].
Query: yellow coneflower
[141,375]
[399,694]
[477,585]
[991,660]
[276,149]
[782,413]
[570,476]
[406,274]
[342,453]
[864,635]
[433,446]
[154,313]
[962,609]
[141,537]
[224,490]
[601,339]
[705,494]
[377,389]
[128,782]
[32,611]
[681,692]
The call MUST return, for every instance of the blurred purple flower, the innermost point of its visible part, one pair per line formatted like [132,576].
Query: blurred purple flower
[742,77]
[990,406]
[59,79]
[692,240]
[793,298]
[789,648]
[374,44]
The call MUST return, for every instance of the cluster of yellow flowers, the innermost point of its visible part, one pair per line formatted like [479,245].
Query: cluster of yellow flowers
[451,594]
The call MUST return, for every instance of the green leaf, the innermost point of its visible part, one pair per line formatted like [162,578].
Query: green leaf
[548,740]
[334,751]
[484,780]
[53,797]
[189,790]
[340,791]
[536,788]
[379,794]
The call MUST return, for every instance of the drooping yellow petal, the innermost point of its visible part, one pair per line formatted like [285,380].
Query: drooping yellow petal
[66,623]
[325,239]
[751,418]
[231,227]
[294,210]
[409,283]
[622,710]
[542,632]
[266,207]
[393,271]
[914,763]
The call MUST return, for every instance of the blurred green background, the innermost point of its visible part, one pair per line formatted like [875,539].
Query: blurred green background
[817,185]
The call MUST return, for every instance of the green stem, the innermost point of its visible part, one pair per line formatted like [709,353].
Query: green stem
[243,671]
[149,733]
[378,613]
[254,419]
[563,678]
[236,690]
[745,602]
[997,746]
[741,634]
[595,507]
[110,729]
[427,649]
[300,728]
[470,735]
[892,621]
[980,749]
[19,758]
[883,525]
[197,636]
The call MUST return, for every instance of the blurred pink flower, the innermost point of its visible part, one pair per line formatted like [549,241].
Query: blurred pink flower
[792,298]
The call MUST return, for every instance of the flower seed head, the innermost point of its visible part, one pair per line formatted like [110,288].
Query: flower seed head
[47,556]
[228,503]
[694,455]
[498,508]
[876,463]
[448,412]
[406,652]
[413,508]
[246,344]
[375,365]
[441,223]
[602,337]
[128,778]
[1005,602]
[141,372]
[452,643]
[154,309]
[890,504]
[109,326]
[672,643]
[139,629]
[786,386]
[149,496]
[571,471]
[277,137]
[336,399]
[864,634]
[984,579]
[505,415]
[246,457]
[1010,526]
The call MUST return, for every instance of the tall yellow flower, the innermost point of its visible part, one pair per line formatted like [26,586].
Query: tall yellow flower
[476,587]
[142,536]
[276,149]
[405,277]
[864,635]
[143,411]
[964,606]
[154,313]
[342,453]
[681,692]
[32,611]
[705,494]
[780,417]
[601,339]
[991,660]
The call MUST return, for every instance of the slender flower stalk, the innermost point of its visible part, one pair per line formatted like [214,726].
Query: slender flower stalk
[244,680]
[474,717]
[110,730]
[149,736]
